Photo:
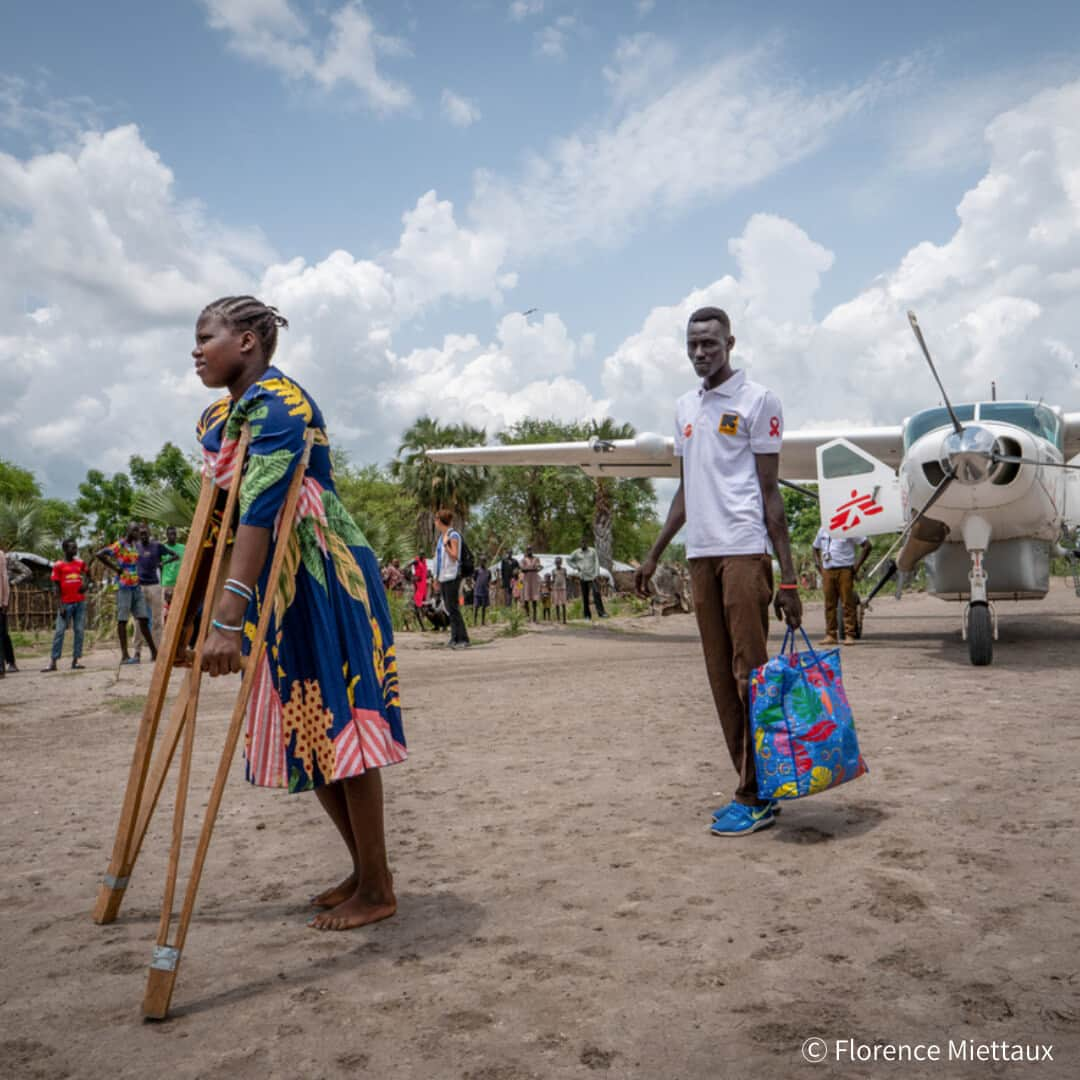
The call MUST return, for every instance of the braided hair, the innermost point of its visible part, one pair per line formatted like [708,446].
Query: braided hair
[248,313]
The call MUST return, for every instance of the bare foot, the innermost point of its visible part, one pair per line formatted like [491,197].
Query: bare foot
[359,910]
[336,895]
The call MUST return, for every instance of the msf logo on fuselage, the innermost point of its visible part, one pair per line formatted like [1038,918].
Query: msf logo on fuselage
[853,511]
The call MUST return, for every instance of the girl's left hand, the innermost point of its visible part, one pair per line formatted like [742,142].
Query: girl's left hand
[221,653]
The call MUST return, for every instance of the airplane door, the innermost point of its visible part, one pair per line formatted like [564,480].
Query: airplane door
[1072,495]
[860,496]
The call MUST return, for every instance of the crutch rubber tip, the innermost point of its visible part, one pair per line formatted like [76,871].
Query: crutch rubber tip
[108,903]
[159,991]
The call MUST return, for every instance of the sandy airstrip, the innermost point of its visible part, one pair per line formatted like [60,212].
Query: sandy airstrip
[564,911]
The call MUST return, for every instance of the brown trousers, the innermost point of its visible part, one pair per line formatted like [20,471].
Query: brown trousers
[840,588]
[731,600]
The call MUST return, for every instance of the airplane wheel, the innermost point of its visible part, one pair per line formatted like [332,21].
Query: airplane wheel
[980,635]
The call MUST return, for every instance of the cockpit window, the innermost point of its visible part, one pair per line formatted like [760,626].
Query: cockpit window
[927,421]
[1037,419]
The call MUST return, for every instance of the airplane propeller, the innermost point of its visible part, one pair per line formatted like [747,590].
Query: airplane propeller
[969,454]
[958,428]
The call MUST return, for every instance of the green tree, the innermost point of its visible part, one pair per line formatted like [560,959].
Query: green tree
[384,511]
[22,525]
[535,504]
[435,484]
[803,519]
[607,490]
[107,501]
[551,507]
[168,505]
[170,468]
[61,519]
[17,482]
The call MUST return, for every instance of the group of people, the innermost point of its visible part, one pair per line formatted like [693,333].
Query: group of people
[146,571]
[523,582]
[331,636]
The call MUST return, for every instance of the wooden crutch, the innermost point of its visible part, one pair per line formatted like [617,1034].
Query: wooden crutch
[183,710]
[115,882]
[166,960]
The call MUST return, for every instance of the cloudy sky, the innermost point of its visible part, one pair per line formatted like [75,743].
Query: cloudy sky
[405,179]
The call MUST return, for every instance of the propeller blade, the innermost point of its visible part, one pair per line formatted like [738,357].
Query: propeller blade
[1009,459]
[890,573]
[941,489]
[957,426]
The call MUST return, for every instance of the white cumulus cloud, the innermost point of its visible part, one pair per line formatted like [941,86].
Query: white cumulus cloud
[272,33]
[996,300]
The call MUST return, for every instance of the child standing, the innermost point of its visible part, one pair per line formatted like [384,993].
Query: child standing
[545,598]
[324,714]
[558,590]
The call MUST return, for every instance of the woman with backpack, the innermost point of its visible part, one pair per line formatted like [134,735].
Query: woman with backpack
[452,556]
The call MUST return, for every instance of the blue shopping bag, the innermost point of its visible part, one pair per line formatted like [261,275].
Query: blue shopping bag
[801,723]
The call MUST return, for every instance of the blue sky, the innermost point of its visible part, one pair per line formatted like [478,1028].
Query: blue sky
[606,163]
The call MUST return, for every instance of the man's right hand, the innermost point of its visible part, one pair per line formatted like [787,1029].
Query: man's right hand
[642,576]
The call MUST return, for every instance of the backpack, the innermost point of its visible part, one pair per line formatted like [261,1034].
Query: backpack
[466,562]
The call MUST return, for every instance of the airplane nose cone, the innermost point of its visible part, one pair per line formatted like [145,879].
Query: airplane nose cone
[969,455]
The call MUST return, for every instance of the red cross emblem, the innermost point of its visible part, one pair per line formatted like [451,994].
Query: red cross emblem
[848,515]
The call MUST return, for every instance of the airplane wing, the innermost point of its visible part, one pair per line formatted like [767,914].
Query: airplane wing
[644,455]
[654,455]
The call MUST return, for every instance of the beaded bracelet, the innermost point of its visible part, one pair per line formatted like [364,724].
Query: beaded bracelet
[221,626]
[239,588]
[229,587]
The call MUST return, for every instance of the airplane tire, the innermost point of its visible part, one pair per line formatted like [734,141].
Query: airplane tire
[980,635]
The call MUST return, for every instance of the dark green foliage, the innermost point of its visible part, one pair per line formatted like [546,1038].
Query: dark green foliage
[107,502]
[17,483]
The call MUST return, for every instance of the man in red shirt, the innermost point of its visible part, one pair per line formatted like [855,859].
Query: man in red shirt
[70,581]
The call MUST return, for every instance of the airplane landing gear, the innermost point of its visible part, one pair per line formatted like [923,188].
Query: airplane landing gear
[980,619]
[980,629]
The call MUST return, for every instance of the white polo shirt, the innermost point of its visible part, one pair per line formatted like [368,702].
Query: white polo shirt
[717,434]
[836,552]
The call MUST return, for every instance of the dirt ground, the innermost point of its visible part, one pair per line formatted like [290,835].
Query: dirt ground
[564,911]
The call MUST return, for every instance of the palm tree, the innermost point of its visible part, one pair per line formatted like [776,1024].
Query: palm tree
[604,490]
[169,505]
[22,525]
[435,484]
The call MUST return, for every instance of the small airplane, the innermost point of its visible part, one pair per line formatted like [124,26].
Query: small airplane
[983,492]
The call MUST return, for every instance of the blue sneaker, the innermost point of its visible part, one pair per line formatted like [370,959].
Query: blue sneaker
[774,804]
[738,819]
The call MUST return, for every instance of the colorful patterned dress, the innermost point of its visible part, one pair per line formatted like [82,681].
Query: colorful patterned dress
[325,705]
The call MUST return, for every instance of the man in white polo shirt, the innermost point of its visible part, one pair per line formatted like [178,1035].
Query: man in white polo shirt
[728,433]
[835,558]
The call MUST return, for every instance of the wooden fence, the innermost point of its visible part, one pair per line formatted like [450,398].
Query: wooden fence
[33,605]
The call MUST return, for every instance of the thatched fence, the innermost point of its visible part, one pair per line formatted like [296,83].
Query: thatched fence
[34,604]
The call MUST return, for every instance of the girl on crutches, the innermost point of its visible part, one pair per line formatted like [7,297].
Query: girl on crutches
[324,713]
